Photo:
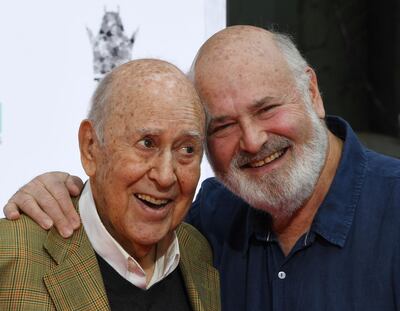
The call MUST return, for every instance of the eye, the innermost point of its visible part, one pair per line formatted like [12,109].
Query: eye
[222,127]
[187,154]
[146,143]
[267,108]
[188,149]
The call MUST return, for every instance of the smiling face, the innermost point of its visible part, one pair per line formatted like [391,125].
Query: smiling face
[265,139]
[144,175]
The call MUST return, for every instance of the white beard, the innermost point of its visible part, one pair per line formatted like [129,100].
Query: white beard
[283,191]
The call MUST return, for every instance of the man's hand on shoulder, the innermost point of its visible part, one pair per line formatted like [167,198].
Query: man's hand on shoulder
[47,200]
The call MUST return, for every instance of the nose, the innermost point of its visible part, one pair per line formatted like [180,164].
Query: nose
[163,171]
[253,137]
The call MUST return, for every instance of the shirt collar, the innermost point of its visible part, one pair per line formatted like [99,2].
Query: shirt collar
[112,252]
[335,215]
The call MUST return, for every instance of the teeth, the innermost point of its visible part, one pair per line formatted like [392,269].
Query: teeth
[151,200]
[267,160]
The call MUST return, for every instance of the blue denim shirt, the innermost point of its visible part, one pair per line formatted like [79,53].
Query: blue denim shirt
[349,259]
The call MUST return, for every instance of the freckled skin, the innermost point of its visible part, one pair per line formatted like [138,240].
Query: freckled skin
[151,101]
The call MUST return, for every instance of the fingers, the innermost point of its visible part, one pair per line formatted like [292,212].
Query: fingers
[74,185]
[54,198]
[44,202]
[46,199]
[11,211]
[29,206]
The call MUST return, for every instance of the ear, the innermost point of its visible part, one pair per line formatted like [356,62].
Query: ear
[88,146]
[315,94]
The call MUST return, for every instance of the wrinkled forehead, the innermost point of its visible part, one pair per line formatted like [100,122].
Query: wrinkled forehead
[166,89]
[239,66]
[239,56]
[155,98]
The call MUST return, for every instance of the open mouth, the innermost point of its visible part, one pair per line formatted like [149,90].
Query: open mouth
[268,159]
[152,202]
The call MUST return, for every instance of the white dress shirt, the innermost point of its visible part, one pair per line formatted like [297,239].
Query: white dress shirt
[113,253]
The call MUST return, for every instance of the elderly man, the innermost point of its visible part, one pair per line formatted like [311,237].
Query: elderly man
[141,147]
[301,215]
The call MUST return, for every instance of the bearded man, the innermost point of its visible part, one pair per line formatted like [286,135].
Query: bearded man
[301,215]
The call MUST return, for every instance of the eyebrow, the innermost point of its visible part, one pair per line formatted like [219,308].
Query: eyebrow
[193,134]
[219,119]
[257,104]
[154,131]
[149,131]
[261,102]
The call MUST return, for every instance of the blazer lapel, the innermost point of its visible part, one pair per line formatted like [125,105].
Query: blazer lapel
[201,278]
[76,282]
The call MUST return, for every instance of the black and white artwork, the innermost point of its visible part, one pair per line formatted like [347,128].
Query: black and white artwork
[111,46]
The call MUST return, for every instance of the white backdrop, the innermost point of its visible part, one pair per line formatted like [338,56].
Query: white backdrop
[46,71]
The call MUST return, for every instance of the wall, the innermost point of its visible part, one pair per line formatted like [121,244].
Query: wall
[352,44]
[46,71]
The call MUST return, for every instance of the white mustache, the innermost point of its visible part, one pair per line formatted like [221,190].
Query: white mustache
[274,144]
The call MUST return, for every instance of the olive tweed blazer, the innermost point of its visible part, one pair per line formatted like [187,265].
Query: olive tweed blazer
[40,270]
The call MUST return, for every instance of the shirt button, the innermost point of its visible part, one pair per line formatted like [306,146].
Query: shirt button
[281,275]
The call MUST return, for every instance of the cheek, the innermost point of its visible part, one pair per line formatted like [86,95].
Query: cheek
[116,183]
[295,126]
[117,200]
[127,169]
[188,177]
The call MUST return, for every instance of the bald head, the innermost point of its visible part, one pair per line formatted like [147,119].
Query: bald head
[138,82]
[238,43]
[238,51]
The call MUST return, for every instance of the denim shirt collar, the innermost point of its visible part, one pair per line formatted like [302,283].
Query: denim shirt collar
[335,215]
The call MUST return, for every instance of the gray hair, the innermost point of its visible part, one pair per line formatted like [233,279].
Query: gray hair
[98,106]
[296,62]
